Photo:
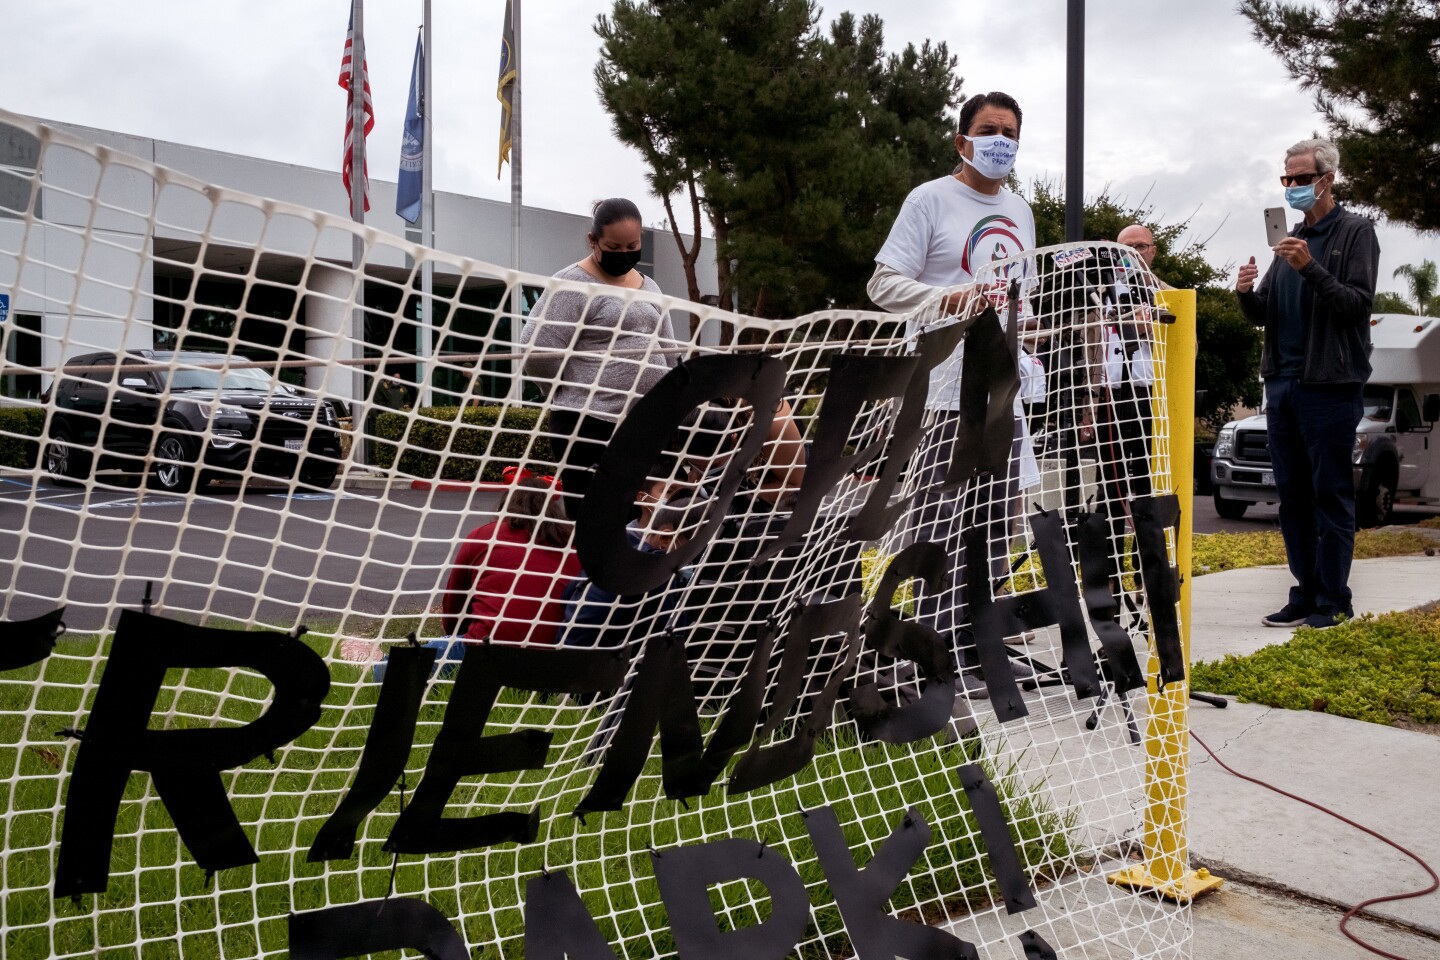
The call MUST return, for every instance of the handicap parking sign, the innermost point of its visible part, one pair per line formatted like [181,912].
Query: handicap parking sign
[4,307]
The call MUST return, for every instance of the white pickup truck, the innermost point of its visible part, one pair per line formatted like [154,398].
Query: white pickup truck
[1397,454]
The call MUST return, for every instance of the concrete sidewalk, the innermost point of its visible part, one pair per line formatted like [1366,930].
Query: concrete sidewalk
[1293,860]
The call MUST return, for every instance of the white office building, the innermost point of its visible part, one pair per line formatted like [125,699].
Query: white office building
[154,284]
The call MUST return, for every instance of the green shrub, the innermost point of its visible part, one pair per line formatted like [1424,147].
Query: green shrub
[478,448]
[1382,669]
[17,423]
[1216,552]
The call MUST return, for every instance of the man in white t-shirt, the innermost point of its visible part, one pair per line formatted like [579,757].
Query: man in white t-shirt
[946,234]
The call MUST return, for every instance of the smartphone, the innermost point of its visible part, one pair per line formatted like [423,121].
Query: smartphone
[1275,226]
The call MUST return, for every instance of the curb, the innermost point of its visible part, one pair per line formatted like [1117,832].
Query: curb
[458,486]
[1225,871]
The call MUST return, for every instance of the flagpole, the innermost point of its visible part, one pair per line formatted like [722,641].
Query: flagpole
[516,388]
[427,222]
[357,213]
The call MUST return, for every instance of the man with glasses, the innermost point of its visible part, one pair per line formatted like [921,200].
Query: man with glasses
[1139,238]
[1314,303]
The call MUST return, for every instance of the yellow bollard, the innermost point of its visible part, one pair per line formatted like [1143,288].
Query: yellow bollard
[1167,742]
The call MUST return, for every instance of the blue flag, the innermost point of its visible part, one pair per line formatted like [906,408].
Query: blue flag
[412,143]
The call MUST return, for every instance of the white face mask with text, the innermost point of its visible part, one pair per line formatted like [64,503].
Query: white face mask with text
[994,156]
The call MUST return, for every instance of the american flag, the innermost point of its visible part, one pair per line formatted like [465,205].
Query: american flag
[345,69]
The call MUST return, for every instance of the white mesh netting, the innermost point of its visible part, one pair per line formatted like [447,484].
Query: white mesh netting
[212,416]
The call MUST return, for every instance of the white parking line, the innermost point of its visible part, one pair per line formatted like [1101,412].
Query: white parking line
[314,496]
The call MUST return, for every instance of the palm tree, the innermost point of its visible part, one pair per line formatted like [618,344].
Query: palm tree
[1422,280]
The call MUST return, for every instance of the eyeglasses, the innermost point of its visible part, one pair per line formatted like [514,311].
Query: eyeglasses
[1141,247]
[1299,179]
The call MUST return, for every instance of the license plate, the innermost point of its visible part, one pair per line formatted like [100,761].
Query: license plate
[1268,478]
[295,444]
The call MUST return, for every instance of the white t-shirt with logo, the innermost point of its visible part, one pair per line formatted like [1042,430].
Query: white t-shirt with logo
[946,230]
[946,234]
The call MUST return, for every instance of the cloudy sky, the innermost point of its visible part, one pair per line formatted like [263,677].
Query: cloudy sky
[1184,108]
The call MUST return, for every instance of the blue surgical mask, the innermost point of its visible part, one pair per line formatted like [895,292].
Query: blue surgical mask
[1301,198]
[994,156]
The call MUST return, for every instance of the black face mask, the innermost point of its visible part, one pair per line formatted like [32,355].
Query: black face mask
[617,263]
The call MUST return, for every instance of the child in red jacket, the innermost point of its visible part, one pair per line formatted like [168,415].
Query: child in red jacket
[508,575]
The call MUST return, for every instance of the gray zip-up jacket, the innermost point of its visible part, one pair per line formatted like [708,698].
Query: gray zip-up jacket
[1337,332]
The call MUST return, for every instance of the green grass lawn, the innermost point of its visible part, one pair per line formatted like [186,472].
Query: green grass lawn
[1382,669]
[1216,552]
[159,904]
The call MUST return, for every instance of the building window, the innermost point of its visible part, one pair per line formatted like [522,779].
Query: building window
[19,158]
[21,337]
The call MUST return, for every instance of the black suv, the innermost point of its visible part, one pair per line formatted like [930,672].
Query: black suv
[152,413]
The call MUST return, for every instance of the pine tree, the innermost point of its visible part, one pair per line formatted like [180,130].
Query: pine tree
[1374,67]
[797,148]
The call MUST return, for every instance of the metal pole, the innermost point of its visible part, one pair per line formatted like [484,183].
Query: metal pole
[516,385]
[427,222]
[1075,121]
[357,213]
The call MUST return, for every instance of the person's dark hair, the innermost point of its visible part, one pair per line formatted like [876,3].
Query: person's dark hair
[682,512]
[611,211]
[532,499]
[713,429]
[991,99]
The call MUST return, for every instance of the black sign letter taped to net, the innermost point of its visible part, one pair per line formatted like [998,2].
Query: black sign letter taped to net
[600,538]
[184,764]
[462,749]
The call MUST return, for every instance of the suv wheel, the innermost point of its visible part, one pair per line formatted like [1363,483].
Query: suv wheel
[1375,500]
[318,473]
[1230,509]
[174,456]
[66,464]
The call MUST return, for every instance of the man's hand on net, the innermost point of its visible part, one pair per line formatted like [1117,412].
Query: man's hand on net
[963,301]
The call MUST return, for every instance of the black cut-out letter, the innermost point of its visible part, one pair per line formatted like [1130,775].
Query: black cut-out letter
[600,538]
[992,621]
[1058,602]
[27,642]
[811,622]
[889,636]
[862,895]
[685,874]
[1162,584]
[184,764]
[854,380]
[374,926]
[557,925]
[387,747]
[1092,536]
[1035,947]
[462,749]
[999,847]
[664,695]
[878,514]
[989,381]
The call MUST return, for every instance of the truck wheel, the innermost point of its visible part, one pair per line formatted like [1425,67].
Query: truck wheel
[1375,500]
[1230,509]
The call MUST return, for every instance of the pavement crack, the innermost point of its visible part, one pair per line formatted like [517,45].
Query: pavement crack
[1259,719]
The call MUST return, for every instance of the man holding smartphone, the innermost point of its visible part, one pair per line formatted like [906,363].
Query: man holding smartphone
[1314,303]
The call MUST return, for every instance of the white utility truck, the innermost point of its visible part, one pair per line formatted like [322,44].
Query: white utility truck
[1397,452]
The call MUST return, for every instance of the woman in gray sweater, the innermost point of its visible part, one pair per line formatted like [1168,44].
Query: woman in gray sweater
[598,351]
